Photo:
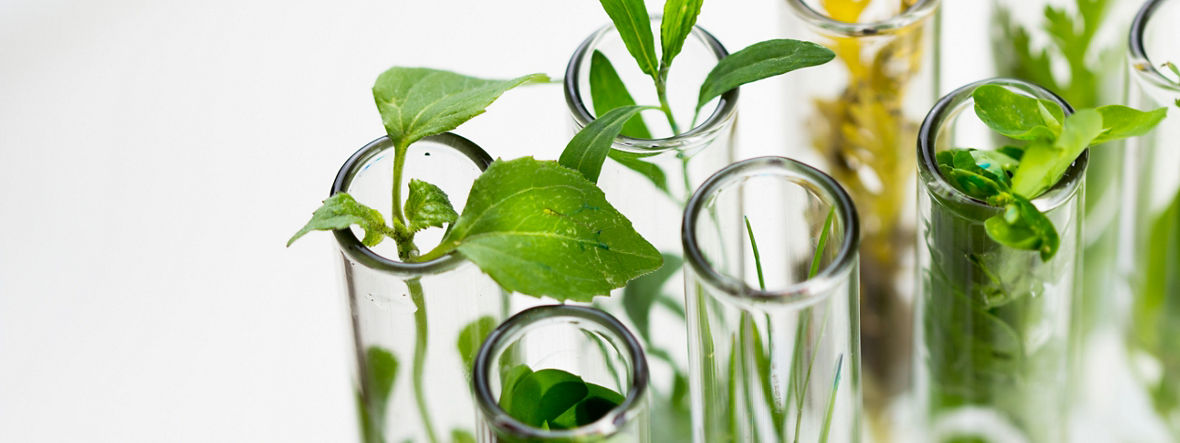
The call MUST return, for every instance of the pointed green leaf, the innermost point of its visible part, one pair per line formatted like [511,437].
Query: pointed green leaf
[608,92]
[539,228]
[1120,122]
[428,206]
[419,102]
[1016,115]
[758,61]
[679,18]
[588,149]
[634,25]
[341,211]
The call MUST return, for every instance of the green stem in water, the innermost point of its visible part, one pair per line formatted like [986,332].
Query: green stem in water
[420,330]
[662,94]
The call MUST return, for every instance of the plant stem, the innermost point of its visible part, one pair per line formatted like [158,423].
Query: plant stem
[420,330]
[399,163]
[757,258]
[662,93]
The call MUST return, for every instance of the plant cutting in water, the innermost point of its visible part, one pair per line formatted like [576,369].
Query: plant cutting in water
[611,99]
[540,228]
[554,399]
[1046,143]
[801,368]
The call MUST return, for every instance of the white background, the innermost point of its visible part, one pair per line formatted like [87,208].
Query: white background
[156,155]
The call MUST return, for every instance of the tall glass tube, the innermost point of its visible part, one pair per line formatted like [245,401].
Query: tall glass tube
[1152,256]
[773,334]
[992,323]
[649,180]
[857,119]
[581,341]
[416,326]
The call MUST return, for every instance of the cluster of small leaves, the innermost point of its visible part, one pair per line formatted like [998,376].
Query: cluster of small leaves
[536,227]
[630,17]
[1072,38]
[1046,144]
[554,399]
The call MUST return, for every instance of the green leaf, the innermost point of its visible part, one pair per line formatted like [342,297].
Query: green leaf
[341,211]
[556,399]
[757,257]
[508,381]
[1121,122]
[1043,165]
[634,26]
[679,18]
[758,61]
[635,162]
[823,243]
[641,293]
[471,337]
[428,206]
[461,436]
[420,102]
[597,403]
[588,149]
[542,229]
[1022,226]
[608,92]
[380,373]
[1015,115]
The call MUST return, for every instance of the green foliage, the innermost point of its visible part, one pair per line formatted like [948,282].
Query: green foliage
[541,229]
[555,399]
[428,206]
[419,102]
[588,149]
[608,92]
[1072,41]
[380,373]
[471,337]
[759,61]
[679,18]
[634,25]
[341,211]
[1013,175]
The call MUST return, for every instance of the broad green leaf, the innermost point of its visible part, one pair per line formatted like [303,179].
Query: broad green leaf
[508,380]
[588,149]
[341,211]
[1121,122]
[539,228]
[428,206]
[420,102]
[1022,226]
[679,18]
[758,61]
[974,184]
[596,404]
[1016,115]
[471,337]
[634,25]
[608,92]
[543,395]
[1043,165]
[380,373]
[641,293]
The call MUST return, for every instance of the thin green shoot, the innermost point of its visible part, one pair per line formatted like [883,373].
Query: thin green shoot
[823,436]
[757,257]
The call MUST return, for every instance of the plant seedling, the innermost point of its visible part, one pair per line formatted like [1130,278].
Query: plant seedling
[554,399]
[1045,144]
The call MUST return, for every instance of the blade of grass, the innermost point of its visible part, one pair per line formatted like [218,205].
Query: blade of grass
[823,436]
[757,258]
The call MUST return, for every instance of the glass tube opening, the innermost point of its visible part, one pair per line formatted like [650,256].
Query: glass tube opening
[1153,38]
[701,52]
[584,341]
[884,20]
[793,202]
[943,130]
[367,176]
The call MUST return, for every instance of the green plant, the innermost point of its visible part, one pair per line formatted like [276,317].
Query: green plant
[1048,142]
[536,227]
[554,399]
[1176,80]
[992,290]
[799,377]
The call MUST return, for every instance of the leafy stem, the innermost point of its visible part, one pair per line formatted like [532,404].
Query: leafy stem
[661,83]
